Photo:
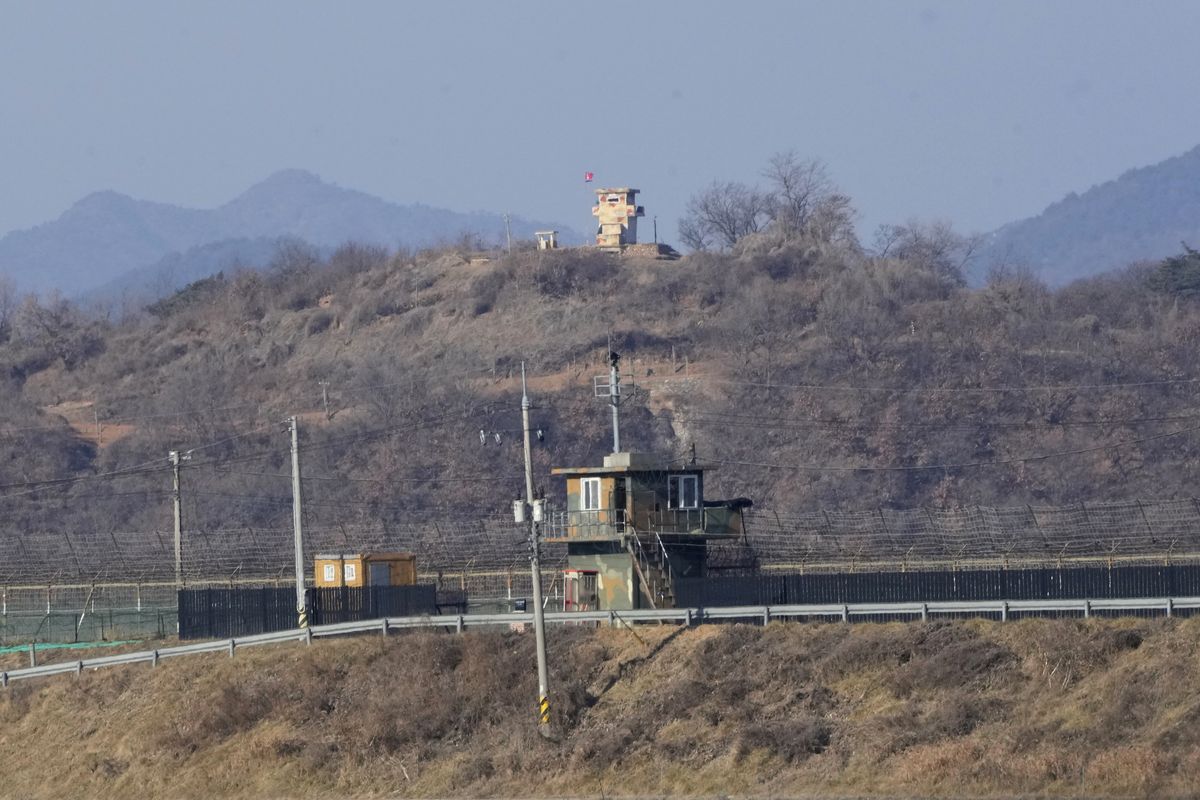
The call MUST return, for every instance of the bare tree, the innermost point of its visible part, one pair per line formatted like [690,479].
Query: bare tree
[723,213]
[56,327]
[800,200]
[935,246]
[694,234]
[798,187]
[8,306]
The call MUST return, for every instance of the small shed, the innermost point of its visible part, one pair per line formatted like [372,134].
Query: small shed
[364,569]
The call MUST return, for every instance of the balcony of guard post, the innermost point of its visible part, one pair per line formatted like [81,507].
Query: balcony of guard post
[635,494]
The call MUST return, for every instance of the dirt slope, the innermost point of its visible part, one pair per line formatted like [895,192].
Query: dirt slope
[952,709]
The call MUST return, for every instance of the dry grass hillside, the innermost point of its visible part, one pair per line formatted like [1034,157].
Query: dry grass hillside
[820,374]
[962,709]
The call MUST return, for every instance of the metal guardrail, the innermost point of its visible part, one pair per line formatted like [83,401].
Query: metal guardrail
[686,616]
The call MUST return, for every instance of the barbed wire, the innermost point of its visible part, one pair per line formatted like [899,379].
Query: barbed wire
[1161,529]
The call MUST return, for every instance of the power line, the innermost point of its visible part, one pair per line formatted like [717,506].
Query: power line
[964,465]
[32,486]
[753,421]
[926,389]
[407,427]
[398,479]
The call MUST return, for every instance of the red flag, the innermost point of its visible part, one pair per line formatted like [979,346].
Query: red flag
[587,177]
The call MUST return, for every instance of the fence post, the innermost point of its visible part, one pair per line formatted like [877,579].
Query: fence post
[32,654]
[384,626]
[687,617]
[4,679]
[459,624]
[231,647]
[924,612]
[845,613]
[78,668]
[1170,606]
[766,615]
[154,659]
[308,637]
[1004,611]
[1087,609]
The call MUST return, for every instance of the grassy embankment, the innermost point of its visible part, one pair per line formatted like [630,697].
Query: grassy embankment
[1102,708]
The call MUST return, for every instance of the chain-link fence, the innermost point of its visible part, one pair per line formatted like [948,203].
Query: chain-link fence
[58,586]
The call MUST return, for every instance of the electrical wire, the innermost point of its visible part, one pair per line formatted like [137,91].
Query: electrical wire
[924,389]
[29,487]
[964,465]
[754,421]
[338,479]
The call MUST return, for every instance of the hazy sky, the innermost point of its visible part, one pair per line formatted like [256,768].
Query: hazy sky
[975,112]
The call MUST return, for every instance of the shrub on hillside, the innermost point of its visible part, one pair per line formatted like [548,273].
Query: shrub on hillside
[793,739]
[574,272]
[1178,275]
[485,290]
[318,323]
[201,292]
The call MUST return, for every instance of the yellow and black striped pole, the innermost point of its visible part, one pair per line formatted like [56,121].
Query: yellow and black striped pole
[544,711]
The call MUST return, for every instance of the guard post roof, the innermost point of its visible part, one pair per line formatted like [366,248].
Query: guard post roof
[626,463]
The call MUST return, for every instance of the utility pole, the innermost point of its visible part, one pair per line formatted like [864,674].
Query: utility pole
[535,515]
[614,397]
[325,397]
[508,231]
[297,527]
[175,458]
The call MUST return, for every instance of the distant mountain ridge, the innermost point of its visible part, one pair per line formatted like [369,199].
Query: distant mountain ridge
[1143,214]
[108,239]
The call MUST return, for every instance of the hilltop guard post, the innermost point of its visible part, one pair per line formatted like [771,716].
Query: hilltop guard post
[616,212]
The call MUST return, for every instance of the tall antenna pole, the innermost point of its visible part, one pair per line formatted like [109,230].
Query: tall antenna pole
[175,502]
[508,231]
[614,397]
[297,524]
[539,618]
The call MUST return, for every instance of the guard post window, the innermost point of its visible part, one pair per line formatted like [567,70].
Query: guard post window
[589,491]
[683,491]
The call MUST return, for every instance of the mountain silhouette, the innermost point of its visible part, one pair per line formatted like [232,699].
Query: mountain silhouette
[111,241]
[1144,214]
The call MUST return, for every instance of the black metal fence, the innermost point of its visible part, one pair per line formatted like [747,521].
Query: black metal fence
[220,613]
[1080,583]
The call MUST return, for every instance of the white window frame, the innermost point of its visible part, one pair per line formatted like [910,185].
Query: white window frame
[350,573]
[592,484]
[330,573]
[675,492]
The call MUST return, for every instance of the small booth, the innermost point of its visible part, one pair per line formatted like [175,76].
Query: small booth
[364,569]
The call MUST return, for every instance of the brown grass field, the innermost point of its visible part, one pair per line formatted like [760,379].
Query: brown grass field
[956,709]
